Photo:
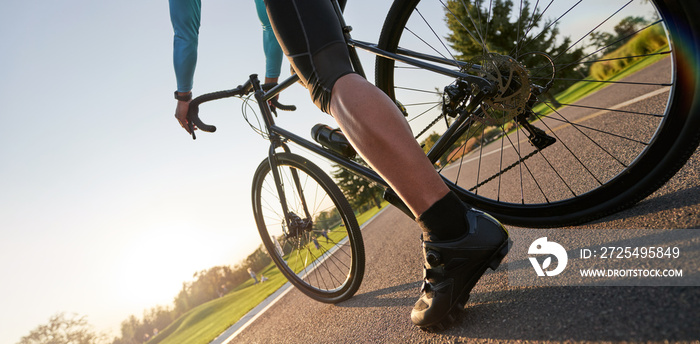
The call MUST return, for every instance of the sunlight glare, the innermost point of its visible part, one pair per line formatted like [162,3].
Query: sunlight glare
[158,260]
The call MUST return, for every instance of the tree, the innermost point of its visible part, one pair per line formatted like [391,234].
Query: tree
[624,30]
[503,27]
[258,260]
[64,330]
[132,331]
[327,220]
[158,317]
[358,190]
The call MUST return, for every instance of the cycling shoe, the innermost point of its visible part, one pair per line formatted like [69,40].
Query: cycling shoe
[452,268]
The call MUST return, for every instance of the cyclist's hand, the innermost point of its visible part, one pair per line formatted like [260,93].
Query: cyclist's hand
[181,114]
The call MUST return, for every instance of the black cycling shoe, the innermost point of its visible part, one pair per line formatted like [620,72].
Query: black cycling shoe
[452,268]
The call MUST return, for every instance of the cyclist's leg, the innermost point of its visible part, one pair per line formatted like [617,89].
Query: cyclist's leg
[312,38]
[379,132]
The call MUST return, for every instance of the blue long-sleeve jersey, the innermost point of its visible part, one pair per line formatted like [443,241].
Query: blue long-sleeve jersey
[185,17]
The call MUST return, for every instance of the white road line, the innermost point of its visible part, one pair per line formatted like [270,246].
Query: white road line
[245,321]
[583,119]
[235,329]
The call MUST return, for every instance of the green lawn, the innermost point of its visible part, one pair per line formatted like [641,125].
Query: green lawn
[204,323]
[588,86]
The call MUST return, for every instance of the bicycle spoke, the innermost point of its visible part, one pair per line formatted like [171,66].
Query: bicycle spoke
[613,43]
[522,189]
[578,126]
[605,109]
[480,40]
[526,168]
[439,94]
[298,236]
[436,35]
[546,29]
[576,157]
[611,82]
[583,92]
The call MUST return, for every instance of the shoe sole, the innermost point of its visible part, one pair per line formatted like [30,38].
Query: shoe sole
[451,315]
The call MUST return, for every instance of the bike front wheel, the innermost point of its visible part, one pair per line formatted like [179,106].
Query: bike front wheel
[596,104]
[308,228]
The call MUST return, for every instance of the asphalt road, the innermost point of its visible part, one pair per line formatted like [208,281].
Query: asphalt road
[498,311]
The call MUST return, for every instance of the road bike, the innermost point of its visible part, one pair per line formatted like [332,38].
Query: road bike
[540,130]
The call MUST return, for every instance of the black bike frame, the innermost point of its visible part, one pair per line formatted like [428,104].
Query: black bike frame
[279,136]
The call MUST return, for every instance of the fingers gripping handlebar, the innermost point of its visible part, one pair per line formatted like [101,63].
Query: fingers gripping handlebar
[193,119]
[193,112]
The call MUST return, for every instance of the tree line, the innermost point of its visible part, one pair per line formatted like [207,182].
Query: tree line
[205,286]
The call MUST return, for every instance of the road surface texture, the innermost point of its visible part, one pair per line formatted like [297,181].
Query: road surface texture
[497,312]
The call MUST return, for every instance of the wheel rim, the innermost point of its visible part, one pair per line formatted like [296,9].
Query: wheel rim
[320,265]
[597,141]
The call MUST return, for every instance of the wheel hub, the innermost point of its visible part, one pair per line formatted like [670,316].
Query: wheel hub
[512,82]
[298,226]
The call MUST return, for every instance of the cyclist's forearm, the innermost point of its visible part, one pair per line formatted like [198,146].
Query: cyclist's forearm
[185,18]
[273,52]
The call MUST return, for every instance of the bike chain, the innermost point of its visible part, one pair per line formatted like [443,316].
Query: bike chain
[508,168]
[438,118]
[505,170]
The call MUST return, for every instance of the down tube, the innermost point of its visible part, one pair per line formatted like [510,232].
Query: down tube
[353,166]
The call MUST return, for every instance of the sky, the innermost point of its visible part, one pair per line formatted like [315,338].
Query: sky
[106,205]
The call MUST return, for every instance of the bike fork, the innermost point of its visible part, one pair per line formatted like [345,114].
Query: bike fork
[276,142]
[279,183]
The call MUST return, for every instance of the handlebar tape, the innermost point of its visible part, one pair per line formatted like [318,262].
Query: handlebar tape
[282,107]
[193,112]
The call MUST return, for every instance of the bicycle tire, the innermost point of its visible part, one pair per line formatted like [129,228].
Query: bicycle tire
[330,272]
[663,142]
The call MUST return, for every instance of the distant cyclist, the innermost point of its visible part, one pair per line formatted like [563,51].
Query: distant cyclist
[459,243]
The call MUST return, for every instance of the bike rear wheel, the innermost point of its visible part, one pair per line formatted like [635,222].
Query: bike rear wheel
[316,243]
[619,120]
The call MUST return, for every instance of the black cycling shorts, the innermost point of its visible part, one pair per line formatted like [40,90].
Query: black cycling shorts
[310,35]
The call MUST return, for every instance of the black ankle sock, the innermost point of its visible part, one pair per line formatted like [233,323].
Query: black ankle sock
[444,220]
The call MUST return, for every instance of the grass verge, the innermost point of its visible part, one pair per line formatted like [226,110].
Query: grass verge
[590,85]
[205,322]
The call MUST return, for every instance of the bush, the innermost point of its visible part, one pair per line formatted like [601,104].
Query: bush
[645,42]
